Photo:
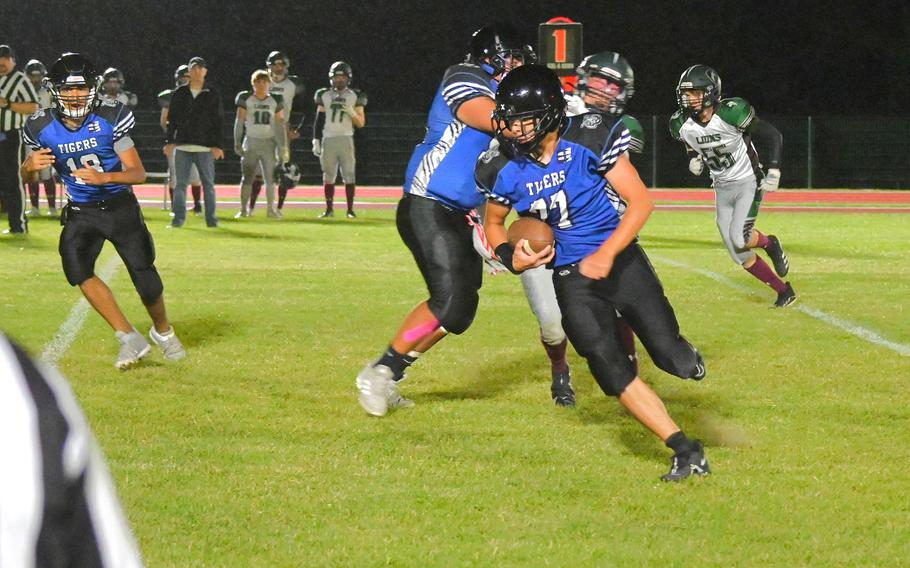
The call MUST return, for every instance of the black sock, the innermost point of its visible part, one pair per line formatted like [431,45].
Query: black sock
[395,361]
[254,192]
[329,190]
[197,196]
[557,354]
[50,190]
[349,195]
[680,443]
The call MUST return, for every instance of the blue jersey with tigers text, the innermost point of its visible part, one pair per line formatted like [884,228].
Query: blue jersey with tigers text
[442,166]
[104,134]
[570,193]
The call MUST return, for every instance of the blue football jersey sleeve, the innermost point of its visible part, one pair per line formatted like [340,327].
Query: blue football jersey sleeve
[442,165]
[462,83]
[486,173]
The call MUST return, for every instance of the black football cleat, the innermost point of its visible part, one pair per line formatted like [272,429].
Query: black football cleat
[700,371]
[688,463]
[778,257]
[785,298]
[561,389]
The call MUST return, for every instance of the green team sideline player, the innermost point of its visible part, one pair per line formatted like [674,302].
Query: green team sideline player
[719,132]
[87,140]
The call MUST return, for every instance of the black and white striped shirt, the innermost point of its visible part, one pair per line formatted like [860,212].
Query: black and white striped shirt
[58,506]
[15,88]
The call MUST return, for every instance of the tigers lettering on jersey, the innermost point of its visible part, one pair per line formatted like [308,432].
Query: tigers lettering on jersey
[97,143]
[441,165]
[570,193]
[77,146]
[546,182]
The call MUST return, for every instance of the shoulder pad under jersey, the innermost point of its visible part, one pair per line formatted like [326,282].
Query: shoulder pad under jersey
[736,112]
[638,134]
[240,99]
[677,119]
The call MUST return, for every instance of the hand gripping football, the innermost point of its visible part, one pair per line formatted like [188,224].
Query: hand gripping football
[537,234]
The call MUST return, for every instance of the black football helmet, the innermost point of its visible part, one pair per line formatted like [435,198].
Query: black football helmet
[497,47]
[341,68]
[35,67]
[699,78]
[182,75]
[614,68]
[73,70]
[277,57]
[112,81]
[529,92]
[287,175]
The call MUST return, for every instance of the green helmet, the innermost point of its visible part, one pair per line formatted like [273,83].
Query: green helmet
[612,67]
[702,78]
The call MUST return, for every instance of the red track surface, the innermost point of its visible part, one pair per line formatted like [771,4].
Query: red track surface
[845,201]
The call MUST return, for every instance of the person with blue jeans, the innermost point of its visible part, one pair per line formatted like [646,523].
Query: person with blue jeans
[194,130]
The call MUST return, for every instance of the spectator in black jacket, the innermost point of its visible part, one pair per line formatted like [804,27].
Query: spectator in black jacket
[194,129]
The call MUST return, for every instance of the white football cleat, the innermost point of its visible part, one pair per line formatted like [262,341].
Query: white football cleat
[133,347]
[374,383]
[170,346]
[395,399]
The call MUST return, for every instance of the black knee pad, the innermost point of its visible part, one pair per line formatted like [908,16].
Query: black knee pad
[614,384]
[148,284]
[455,312]
[681,360]
[612,369]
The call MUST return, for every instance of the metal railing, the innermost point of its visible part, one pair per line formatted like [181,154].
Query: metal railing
[830,152]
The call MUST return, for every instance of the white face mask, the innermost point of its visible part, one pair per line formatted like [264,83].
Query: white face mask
[73,105]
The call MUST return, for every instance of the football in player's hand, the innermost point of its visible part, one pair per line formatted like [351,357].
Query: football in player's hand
[537,233]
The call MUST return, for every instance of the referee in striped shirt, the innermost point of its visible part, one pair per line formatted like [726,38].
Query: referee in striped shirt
[17,101]
[58,506]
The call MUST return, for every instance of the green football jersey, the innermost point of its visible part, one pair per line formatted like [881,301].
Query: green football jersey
[727,153]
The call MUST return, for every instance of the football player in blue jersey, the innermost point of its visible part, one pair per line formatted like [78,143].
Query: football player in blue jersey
[87,140]
[439,192]
[563,170]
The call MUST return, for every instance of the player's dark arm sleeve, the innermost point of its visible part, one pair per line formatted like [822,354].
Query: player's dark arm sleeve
[318,125]
[174,114]
[769,137]
[219,124]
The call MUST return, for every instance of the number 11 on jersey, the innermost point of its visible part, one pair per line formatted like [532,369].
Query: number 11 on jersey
[559,202]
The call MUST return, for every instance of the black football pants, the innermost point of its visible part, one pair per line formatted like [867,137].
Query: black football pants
[589,319]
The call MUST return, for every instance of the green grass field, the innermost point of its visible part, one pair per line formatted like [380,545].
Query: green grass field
[254,452]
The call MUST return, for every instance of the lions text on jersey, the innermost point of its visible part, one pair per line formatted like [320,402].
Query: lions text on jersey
[103,135]
[570,193]
[289,89]
[721,142]
[441,165]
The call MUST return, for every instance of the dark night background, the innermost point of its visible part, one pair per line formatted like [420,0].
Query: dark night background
[845,64]
[791,58]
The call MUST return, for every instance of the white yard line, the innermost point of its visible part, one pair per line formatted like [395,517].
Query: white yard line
[834,321]
[70,328]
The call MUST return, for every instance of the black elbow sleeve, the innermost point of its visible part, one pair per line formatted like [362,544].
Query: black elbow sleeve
[318,125]
[771,139]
